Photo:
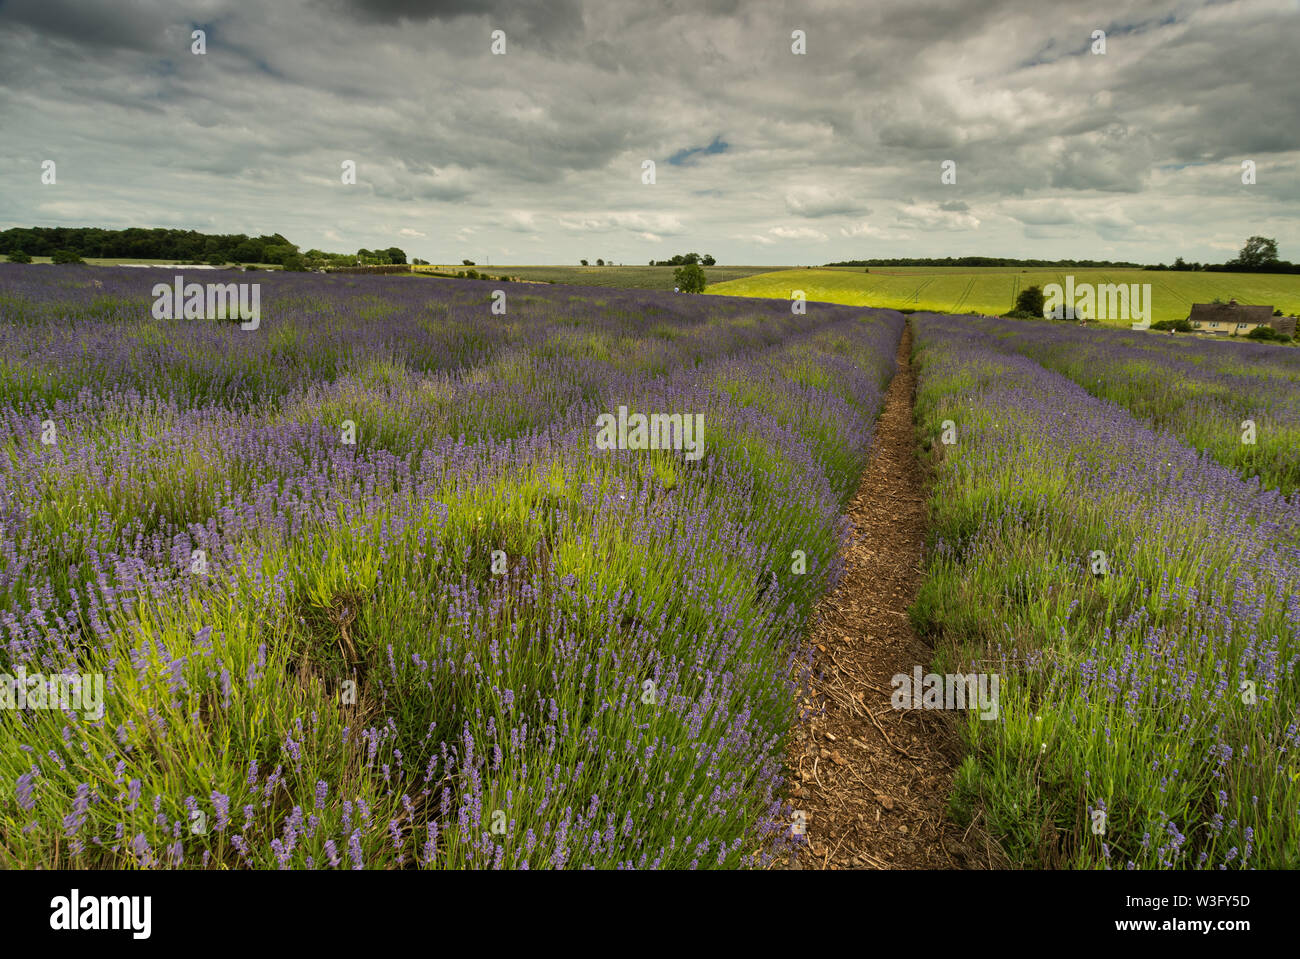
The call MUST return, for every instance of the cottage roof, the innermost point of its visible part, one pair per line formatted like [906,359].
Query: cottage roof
[1232,312]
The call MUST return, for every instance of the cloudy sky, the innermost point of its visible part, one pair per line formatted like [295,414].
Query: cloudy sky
[762,155]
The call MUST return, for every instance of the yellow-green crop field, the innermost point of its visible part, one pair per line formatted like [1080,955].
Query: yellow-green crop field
[993,289]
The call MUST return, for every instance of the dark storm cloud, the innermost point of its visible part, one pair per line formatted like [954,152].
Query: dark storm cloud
[128,25]
[763,155]
[545,19]
[392,10]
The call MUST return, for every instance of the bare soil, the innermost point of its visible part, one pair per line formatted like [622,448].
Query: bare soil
[873,781]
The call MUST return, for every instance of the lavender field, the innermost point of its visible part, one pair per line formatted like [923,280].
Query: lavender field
[366,587]
[1204,390]
[1140,600]
[364,591]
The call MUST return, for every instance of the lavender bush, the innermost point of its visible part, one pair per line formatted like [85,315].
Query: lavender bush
[1139,600]
[1201,389]
[465,638]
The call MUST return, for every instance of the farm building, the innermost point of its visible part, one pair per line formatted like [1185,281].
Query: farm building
[1231,318]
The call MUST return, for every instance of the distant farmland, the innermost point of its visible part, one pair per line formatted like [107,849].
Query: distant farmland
[994,289]
[618,277]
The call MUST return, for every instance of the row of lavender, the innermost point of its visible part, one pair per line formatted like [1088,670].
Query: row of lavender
[364,590]
[1138,600]
[1238,401]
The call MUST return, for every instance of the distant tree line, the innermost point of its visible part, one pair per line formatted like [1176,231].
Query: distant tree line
[986,261]
[1258,255]
[687,259]
[363,257]
[188,246]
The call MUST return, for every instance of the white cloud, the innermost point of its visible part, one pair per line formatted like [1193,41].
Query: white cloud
[934,218]
[520,221]
[817,201]
[860,229]
[637,222]
[797,233]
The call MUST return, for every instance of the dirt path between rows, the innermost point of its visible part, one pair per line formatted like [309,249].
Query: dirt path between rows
[874,781]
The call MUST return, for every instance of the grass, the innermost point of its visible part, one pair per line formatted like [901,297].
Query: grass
[1138,602]
[617,277]
[466,639]
[992,290]
[1205,392]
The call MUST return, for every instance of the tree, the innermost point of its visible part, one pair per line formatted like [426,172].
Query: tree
[294,262]
[18,256]
[1030,300]
[396,256]
[247,252]
[65,256]
[1258,253]
[708,260]
[1179,264]
[216,259]
[600,262]
[689,278]
[277,253]
[583,262]
[471,262]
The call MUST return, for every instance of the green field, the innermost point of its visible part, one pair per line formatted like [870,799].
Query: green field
[989,290]
[616,277]
[993,289]
[620,277]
